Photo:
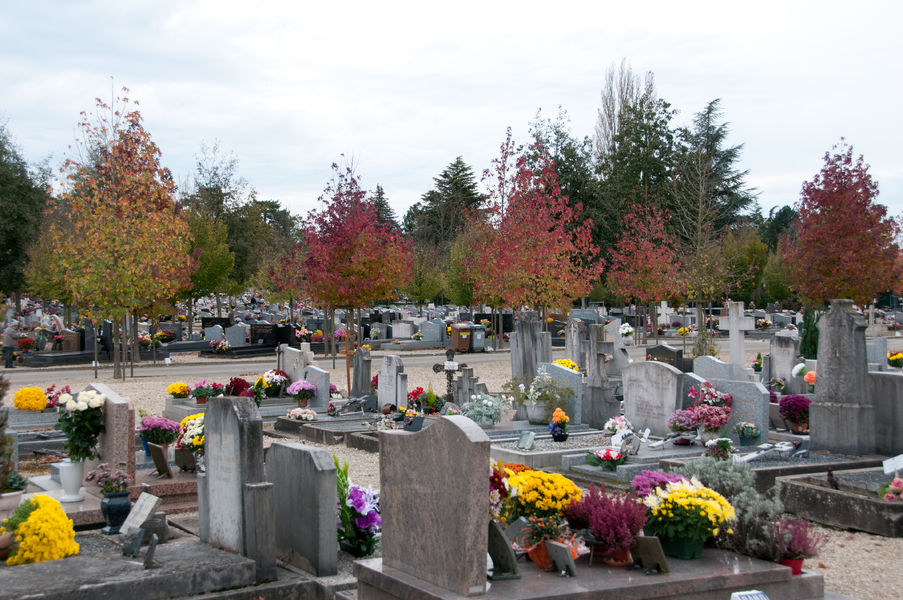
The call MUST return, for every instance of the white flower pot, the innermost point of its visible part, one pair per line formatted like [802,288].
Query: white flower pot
[10,500]
[72,474]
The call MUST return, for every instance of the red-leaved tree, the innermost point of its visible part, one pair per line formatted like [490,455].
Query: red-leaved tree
[845,244]
[541,252]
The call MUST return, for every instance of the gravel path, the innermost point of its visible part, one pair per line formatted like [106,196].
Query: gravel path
[856,564]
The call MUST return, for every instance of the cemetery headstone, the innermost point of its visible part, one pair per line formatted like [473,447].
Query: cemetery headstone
[842,417]
[319,378]
[387,391]
[527,440]
[144,508]
[562,559]
[117,443]
[161,462]
[876,352]
[71,340]
[750,403]
[235,504]
[573,380]
[575,343]
[403,329]
[214,332]
[449,553]
[529,346]
[709,367]
[263,335]
[305,482]
[504,561]
[651,394]
[433,331]
[785,350]
[361,376]
[235,335]
[737,324]
[670,356]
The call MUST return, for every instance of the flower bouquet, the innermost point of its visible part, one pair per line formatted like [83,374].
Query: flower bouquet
[686,511]
[302,391]
[719,448]
[777,384]
[795,409]
[559,425]
[26,344]
[236,386]
[53,395]
[625,330]
[81,419]
[757,364]
[359,521]
[607,458]
[710,395]
[191,433]
[302,414]
[178,390]
[203,390]
[746,431]
[682,420]
[617,425]
[712,418]
[164,337]
[276,380]
[220,346]
[891,491]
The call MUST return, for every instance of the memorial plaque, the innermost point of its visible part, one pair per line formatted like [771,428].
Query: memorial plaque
[161,462]
[144,509]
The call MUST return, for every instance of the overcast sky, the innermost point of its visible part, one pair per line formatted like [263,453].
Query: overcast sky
[404,88]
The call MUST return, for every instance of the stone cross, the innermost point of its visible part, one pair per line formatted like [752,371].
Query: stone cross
[450,367]
[737,324]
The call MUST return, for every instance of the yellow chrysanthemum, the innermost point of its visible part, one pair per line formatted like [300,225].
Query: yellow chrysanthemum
[177,390]
[47,534]
[30,398]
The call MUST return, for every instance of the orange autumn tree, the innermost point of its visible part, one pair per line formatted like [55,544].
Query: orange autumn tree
[123,242]
[540,252]
[352,258]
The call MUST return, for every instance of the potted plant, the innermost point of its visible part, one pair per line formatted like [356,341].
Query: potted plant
[712,419]
[559,425]
[158,430]
[683,514]
[607,458]
[81,420]
[484,410]
[178,390]
[613,522]
[682,421]
[626,333]
[190,443]
[39,531]
[719,448]
[302,391]
[757,364]
[567,364]
[895,359]
[747,432]
[540,498]
[12,489]
[30,398]
[795,409]
[892,490]
[276,380]
[539,397]
[646,482]
[796,540]
[203,390]
[236,386]
[115,505]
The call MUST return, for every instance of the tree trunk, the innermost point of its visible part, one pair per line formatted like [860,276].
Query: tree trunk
[701,347]
[349,322]
[190,316]
[117,342]
[219,305]
[94,328]
[136,354]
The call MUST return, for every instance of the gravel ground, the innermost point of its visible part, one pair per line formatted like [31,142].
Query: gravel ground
[856,564]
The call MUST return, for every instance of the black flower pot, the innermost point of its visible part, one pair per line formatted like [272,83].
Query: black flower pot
[559,437]
[115,507]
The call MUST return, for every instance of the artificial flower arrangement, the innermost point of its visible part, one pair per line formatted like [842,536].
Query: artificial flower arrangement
[414,397]
[647,481]
[191,433]
[567,364]
[303,334]
[709,394]
[616,425]
[682,420]
[220,346]
[687,510]
[359,520]
[236,386]
[30,398]
[612,520]
[892,491]
[108,480]
[484,409]
[81,419]
[746,429]
[795,408]
[159,430]
[302,391]
[498,488]
[178,390]
[607,458]
[302,414]
[809,378]
[625,330]
[558,427]
[386,423]
[719,448]
[777,384]
[276,380]
[800,370]
[895,359]
[40,531]
[53,395]
[418,335]
[145,341]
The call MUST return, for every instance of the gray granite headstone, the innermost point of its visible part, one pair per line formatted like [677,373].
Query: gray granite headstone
[529,345]
[305,483]
[388,380]
[161,461]
[213,333]
[504,561]
[709,367]
[876,352]
[144,508]
[785,350]
[235,335]
[575,343]
[690,379]
[651,393]
[750,403]
[433,330]
[361,375]
[319,378]
[574,381]
[842,417]
[450,470]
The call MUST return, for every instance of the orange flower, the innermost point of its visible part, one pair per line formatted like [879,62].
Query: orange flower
[809,377]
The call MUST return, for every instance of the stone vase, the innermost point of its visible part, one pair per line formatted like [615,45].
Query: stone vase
[71,476]
[10,500]
[115,507]
[536,413]
[706,436]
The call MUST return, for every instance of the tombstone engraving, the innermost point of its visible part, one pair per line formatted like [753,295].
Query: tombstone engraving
[450,553]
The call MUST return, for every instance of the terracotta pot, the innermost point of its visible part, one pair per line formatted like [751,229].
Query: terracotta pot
[795,564]
[202,400]
[799,427]
[540,556]
[6,544]
[302,403]
[621,558]
[682,441]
